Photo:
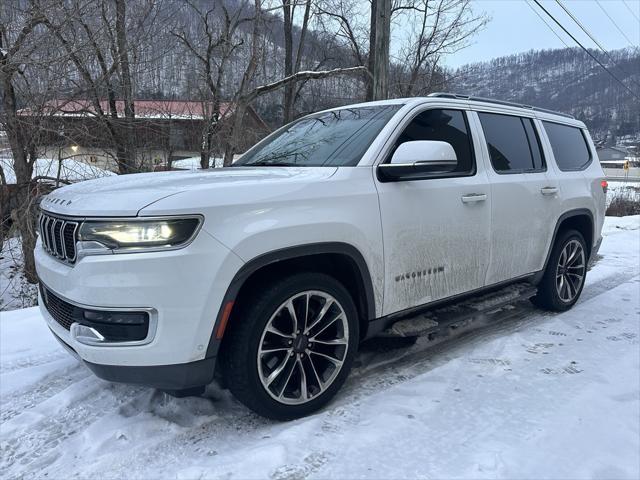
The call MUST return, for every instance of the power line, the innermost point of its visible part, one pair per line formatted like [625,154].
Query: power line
[631,11]
[584,29]
[615,24]
[604,67]
[546,23]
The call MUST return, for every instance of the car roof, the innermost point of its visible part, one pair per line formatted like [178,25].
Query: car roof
[475,103]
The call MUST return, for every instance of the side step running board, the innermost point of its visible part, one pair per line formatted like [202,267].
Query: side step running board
[440,321]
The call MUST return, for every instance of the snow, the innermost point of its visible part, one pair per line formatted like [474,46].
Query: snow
[71,171]
[15,291]
[193,163]
[529,395]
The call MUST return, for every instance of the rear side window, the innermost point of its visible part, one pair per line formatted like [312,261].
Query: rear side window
[569,146]
[512,142]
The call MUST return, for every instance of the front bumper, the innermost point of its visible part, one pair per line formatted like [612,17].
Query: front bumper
[183,287]
[172,378]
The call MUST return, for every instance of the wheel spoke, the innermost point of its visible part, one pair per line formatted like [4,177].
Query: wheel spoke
[265,351]
[563,258]
[570,288]
[335,361]
[277,371]
[336,341]
[327,325]
[567,289]
[315,373]
[304,393]
[286,382]
[323,311]
[275,331]
[306,313]
[292,313]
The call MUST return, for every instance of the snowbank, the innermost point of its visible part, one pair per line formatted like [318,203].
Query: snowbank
[71,170]
[193,163]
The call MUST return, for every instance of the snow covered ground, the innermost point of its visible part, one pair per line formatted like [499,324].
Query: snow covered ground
[15,291]
[529,395]
[70,170]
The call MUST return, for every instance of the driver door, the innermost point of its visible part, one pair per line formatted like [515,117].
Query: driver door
[436,231]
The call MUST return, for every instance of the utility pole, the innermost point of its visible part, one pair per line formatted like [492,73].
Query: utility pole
[379,39]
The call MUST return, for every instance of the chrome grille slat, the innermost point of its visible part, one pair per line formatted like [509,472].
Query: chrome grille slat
[58,237]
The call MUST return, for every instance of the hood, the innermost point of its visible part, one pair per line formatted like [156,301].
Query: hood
[126,195]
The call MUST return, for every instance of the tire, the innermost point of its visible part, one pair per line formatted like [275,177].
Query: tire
[560,294]
[262,338]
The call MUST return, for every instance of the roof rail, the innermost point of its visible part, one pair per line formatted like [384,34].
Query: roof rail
[498,102]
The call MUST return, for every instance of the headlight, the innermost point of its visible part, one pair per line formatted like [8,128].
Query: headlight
[139,234]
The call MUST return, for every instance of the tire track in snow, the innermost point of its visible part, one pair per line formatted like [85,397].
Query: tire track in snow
[33,446]
[32,361]
[23,400]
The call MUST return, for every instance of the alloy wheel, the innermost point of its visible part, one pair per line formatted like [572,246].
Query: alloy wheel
[303,347]
[570,271]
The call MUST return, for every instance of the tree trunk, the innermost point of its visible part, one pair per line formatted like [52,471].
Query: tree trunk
[127,89]
[379,56]
[372,48]
[23,215]
[289,90]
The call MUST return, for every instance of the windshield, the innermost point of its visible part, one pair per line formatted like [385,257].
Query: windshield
[336,138]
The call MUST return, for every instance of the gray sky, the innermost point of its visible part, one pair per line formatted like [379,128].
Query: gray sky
[516,28]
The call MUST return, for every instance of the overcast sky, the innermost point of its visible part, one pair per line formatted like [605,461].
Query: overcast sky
[516,28]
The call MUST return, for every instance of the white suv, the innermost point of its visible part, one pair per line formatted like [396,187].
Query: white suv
[324,234]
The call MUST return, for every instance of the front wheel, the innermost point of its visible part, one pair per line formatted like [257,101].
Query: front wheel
[564,277]
[290,348]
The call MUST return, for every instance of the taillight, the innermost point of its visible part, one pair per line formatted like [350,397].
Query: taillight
[605,185]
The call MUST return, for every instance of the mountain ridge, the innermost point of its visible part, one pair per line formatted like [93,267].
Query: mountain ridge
[565,80]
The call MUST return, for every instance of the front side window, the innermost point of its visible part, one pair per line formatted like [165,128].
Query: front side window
[446,126]
[336,138]
[512,142]
[569,146]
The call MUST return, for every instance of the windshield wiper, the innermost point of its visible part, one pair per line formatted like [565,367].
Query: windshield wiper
[271,164]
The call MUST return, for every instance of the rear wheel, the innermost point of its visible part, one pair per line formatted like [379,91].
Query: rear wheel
[564,277]
[291,347]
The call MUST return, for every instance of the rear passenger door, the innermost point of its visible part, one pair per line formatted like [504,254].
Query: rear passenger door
[523,195]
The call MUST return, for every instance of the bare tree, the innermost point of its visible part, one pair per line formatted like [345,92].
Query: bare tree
[18,42]
[95,34]
[437,28]
[292,61]
[229,46]
[217,39]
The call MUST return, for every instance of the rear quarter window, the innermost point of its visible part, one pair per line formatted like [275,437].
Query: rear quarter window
[569,146]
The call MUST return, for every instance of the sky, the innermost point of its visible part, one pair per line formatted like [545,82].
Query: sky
[516,28]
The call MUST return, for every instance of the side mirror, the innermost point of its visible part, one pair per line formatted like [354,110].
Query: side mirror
[417,160]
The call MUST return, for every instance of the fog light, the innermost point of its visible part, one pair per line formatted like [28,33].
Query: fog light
[126,318]
[113,326]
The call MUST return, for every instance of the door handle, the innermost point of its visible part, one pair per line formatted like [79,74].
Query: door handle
[474,197]
[549,190]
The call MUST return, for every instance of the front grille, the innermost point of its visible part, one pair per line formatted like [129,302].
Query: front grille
[61,311]
[115,326]
[58,236]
